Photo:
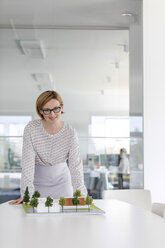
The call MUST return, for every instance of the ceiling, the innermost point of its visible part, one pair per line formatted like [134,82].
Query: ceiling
[84,53]
[67,12]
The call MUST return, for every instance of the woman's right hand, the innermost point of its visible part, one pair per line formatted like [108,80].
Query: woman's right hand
[16,202]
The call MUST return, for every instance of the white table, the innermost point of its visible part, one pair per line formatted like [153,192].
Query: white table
[123,226]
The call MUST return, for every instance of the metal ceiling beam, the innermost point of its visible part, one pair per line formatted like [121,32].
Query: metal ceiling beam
[73,27]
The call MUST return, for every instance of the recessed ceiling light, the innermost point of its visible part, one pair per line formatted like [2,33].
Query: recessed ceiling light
[116,64]
[108,79]
[102,92]
[127,14]
[44,81]
[32,48]
[125,47]
[42,77]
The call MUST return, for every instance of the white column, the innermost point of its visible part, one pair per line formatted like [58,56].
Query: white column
[154,97]
[136,99]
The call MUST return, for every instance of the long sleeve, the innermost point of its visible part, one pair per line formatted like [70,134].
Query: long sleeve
[124,165]
[28,163]
[76,167]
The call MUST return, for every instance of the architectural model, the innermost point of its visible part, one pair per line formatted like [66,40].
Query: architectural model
[76,204]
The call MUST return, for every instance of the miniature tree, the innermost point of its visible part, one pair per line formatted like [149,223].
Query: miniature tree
[36,194]
[77,193]
[49,202]
[88,201]
[26,198]
[75,202]
[62,202]
[34,203]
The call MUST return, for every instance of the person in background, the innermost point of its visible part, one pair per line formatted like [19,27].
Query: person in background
[123,166]
[51,161]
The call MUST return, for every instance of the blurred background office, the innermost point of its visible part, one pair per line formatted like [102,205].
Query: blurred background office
[92,55]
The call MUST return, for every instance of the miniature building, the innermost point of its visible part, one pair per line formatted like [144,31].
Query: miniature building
[56,207]
[68,201]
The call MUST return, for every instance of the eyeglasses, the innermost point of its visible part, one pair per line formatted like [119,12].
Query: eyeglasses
[48,111]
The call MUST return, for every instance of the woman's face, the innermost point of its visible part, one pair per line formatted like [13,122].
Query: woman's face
[53,116]
[122,154]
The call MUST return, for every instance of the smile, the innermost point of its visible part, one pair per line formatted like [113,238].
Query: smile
[52,118]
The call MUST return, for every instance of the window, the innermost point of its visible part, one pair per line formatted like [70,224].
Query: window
[11,132]
[109,134]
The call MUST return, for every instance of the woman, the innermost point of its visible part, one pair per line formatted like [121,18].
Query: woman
[123,166]
[51,160]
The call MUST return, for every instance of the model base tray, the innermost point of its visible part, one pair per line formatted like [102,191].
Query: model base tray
[28,209]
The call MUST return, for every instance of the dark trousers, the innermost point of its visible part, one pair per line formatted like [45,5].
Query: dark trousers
[120,180]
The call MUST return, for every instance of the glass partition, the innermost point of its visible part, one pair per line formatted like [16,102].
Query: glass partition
[100,157]
[11,132]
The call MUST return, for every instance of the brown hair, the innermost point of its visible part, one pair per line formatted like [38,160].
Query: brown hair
[123,150]
[46,97]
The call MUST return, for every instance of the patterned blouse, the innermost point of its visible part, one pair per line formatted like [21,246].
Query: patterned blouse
[42,148]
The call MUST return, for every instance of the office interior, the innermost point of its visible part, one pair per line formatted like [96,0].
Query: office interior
[94,60]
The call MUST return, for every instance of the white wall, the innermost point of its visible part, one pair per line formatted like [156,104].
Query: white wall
[154,98]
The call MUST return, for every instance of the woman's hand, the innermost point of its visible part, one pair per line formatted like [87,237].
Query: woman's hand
[16,202]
